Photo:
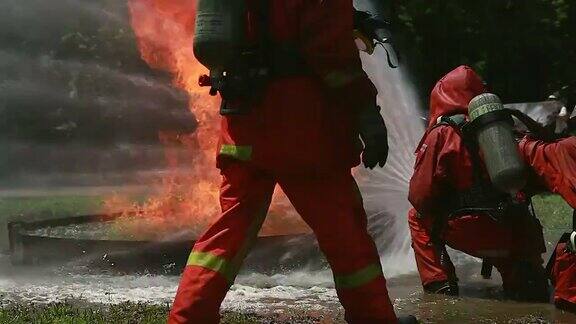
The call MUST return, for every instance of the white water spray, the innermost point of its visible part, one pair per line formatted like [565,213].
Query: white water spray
[385,190]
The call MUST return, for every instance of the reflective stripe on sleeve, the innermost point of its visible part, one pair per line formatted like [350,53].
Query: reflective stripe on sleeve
[358,278]
[239,152]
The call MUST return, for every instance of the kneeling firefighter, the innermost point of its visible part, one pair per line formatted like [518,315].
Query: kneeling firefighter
[553,163]
[467,193]
[294,102]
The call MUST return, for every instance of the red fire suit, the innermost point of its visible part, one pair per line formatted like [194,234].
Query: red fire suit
[554,165]
[444,168]
[302,136]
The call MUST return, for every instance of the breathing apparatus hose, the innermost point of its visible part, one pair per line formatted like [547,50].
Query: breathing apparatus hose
[373,30]
[536,130]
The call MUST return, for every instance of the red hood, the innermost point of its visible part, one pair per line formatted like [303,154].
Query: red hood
[453,92]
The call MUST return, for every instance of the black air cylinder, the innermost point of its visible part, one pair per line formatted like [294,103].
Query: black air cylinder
[220,32]
[498,146]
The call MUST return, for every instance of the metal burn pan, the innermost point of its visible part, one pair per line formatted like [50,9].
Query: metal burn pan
[30,246]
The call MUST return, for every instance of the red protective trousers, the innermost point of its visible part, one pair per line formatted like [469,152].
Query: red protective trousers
[479,236]
[563,275]
[330,204]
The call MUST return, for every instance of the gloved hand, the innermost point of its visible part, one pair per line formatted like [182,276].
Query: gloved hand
[374,137]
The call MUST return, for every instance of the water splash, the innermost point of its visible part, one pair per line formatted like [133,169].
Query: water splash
[385,190]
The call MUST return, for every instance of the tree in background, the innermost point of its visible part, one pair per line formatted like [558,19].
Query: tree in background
[524,49]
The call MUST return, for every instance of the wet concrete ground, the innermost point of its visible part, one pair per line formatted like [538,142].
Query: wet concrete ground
[480,301]
[301,297]
[295,298]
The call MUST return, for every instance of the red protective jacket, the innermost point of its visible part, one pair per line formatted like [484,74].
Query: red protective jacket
[307,121]
[554,165]
[442,162]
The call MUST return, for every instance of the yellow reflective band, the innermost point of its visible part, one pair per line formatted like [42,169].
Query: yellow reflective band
[358,278]
[230,268]
[239,152]
[212,262]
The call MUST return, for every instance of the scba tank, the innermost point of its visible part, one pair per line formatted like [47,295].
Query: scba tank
[498,145]
[220,32]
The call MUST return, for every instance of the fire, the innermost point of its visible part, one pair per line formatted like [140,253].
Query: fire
[188,196]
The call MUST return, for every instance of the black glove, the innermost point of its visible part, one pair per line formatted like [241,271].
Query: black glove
[374,136]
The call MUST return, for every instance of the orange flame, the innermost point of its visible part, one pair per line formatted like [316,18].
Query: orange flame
[188,197]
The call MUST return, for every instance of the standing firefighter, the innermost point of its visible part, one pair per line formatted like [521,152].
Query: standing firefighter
[295,99]
[462,201]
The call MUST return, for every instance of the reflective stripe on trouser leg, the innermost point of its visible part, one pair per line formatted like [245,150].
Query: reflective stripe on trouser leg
[219,252]
[332,206]
[212,262]
[358,278]
[229,268]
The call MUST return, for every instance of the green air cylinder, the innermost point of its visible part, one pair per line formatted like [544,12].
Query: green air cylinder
[498,146]
[220,31]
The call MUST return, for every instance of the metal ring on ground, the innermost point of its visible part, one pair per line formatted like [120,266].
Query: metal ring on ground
[27,247]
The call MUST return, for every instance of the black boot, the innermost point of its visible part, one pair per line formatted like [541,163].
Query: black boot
[442,287]
[531,284]
[407,320]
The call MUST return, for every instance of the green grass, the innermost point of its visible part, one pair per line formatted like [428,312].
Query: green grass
[65,313]
[552,210]
[554,213]
[48,207]
[126,313]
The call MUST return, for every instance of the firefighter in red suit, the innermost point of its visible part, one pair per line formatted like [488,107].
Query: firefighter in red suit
[554,166]
[444,177]
[303,134]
